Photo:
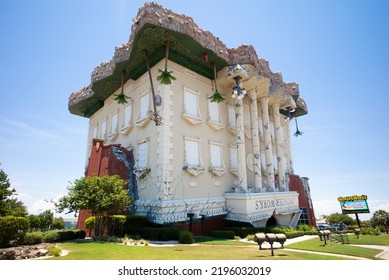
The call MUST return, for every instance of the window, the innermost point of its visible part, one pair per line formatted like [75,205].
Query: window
[94,132]
[127,115]
[143,155]
[304,219]
[216,154]
[114,122]
[231,117]
[191,103]
[214,111]
[144,108]
[216,159]
[127,120]
[142,164]
[192,152]
[214,116]
[114,127]
[191,107]
[193,162]
[104,129]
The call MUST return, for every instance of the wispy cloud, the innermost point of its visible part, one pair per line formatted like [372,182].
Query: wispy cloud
[24,129]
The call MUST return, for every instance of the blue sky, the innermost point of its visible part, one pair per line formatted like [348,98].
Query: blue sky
[337,51]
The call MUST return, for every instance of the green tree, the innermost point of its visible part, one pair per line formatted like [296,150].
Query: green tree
[337,218]
[58,223]
[9,206]
[46,218]
[100,195]
[380,218]
[35,222]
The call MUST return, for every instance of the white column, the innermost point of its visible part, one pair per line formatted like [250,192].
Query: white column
[240,142]
[256,145]
[268,145]
[289,160]
[279,146]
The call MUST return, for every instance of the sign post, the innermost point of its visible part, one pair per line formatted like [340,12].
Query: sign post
[354,204]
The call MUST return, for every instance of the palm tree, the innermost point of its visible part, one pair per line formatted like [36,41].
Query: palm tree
[380,218]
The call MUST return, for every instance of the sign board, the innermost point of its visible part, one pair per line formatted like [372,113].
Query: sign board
[354,204]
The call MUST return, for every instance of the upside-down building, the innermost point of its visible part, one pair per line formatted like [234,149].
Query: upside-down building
[213,145]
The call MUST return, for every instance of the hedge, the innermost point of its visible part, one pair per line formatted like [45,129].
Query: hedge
[12,230]
[160,234]
[225,234]
[185,237]
[32,238]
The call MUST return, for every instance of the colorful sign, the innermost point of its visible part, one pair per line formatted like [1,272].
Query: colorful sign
[354,204]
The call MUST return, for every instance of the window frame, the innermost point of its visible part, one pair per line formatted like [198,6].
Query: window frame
[192,119]
[194,169]
[143,118]
[219,169]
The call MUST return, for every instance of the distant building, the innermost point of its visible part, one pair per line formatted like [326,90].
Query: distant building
[186,158]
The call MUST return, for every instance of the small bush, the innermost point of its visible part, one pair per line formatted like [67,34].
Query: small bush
[32,238]
[185,237]
[106,238]
[370,231]
[160,234]
[135,224]
[54,251]
[12,230]
[79,234]
[225,234]
[51,236]
[250,237]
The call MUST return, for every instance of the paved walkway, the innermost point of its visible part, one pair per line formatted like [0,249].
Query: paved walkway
[383,255]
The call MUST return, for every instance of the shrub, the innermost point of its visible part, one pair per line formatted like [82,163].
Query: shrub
[90,223]
[12,230]
[79,234]
[160,234]
[135,223]
[225,234]
[114,225]
[370,231]
[185,237]
[51,236]
[105,238]
[32,238]
[54,251]
[250,237]
[66,235]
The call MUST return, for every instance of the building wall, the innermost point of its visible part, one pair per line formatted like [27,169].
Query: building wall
[300,185]
[169,185]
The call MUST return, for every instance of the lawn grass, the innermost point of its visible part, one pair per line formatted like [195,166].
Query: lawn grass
[382,239]
[208,248]
[215,251]
[318,246]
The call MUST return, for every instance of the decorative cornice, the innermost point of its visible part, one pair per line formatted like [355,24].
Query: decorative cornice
[152,27]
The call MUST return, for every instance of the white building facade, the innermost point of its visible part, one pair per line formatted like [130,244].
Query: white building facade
[203,159]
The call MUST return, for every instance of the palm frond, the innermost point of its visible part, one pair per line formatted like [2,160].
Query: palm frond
[166,77]
[217,97]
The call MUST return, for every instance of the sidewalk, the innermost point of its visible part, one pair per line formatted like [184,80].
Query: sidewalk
[383,255]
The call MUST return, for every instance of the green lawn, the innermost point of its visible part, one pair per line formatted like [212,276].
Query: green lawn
[208,248]
[382,239]
[112,251]
[335,248]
